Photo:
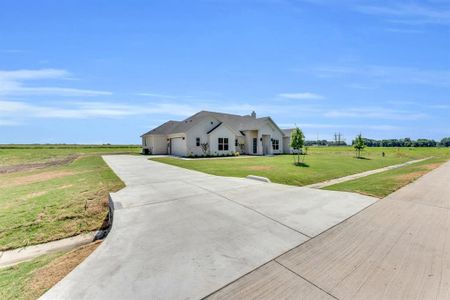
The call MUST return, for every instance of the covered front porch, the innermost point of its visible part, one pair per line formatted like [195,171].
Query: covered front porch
[257,143]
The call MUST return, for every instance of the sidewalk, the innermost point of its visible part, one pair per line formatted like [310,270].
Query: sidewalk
[323,184]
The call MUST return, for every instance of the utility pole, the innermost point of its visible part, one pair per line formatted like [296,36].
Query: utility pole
[337,138]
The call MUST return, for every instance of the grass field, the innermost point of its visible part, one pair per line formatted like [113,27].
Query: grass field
[382,184]
[49,193]
[321,163]
[30,279]
[27,154]
[40,203]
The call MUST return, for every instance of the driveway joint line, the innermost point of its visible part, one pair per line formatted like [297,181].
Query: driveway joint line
[260,213]
[310,282]
[158,202]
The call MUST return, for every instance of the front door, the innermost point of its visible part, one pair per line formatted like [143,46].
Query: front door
[255,145]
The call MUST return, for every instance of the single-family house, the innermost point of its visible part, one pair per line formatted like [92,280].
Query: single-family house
[214,133]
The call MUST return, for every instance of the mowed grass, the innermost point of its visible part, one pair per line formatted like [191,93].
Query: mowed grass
[321,163]
[31,279]
[25,154]
[50,203]
[13,280]
[382,184]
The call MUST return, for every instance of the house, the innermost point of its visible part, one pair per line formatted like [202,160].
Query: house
[213,133]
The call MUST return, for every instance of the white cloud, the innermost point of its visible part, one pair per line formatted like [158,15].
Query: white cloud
[83,110]
[8,123]
[375,113]
[12,83]
[387,74]
[410,13]
[33,74]
[156,95]
[301,96]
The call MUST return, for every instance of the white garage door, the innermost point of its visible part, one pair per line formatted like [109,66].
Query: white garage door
[178,146]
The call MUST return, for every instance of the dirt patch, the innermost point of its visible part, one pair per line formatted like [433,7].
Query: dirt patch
[432,166]
[48,276]
[33,166]
[258,168]
[39,177]
[410,177]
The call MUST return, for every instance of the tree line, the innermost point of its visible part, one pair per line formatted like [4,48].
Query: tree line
[406,142]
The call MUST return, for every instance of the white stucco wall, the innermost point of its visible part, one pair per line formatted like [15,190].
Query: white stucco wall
[157,144]
[249,135]
[269,129]
[286,145]
[200,130]
[221,132]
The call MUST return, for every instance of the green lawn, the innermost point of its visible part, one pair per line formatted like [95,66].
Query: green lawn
[382,184]
[45,204]
[40,203]
[322,163]
[24,154]
[29,280]
[13,280]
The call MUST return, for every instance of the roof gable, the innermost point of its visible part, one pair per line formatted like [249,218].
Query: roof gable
[236,123]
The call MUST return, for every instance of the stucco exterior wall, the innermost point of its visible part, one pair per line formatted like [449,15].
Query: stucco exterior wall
[221,132]
[157,144]
[200,130]
[249,135]
[264,135]
[273,133]
[286,145]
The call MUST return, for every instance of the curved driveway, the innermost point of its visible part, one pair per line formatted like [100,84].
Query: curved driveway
[182,234]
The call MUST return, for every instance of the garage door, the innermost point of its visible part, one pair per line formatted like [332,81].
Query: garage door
[178,147]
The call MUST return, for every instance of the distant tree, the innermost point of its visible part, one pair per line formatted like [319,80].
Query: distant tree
[297,142]
[407,142]
[445,142]
[359,145]
[205,148]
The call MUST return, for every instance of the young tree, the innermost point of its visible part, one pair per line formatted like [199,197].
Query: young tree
[359,145]
[297,142]
[205,148]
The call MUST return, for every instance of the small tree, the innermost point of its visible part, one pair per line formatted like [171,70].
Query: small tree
[359,145]
[297,142]
[205,148]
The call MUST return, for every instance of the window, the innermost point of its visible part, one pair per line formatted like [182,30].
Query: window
[197,142]
[275,144]
[236,143]
[223,144]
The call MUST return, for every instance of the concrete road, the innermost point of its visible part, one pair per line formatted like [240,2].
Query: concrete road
[398,248]
[181,234]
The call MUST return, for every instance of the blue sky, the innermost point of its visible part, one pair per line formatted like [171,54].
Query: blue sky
[107,71]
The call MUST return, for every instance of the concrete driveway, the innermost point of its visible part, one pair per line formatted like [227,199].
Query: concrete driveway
[179,233]
[397,248]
